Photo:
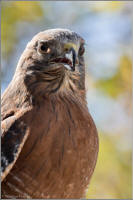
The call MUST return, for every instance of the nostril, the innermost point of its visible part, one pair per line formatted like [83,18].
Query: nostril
[67,50]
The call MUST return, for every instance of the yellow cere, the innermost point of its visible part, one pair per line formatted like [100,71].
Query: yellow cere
[70,45]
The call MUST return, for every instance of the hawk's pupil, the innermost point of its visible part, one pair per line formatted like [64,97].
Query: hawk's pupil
[44,47]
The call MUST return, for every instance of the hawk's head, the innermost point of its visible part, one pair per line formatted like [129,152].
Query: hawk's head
[53,61]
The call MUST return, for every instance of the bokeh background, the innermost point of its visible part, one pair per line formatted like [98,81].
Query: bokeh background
[106,27]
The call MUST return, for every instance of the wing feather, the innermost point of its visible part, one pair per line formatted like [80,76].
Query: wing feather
[15,132]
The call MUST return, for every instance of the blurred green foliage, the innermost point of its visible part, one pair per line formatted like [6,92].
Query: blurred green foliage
[108,6]
[12,13]
[121,82]
[112,177]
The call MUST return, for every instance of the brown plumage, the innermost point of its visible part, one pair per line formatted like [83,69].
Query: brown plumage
[49,140]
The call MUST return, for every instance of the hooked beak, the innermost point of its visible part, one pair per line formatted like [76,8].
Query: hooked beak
[72,57]
[69,60]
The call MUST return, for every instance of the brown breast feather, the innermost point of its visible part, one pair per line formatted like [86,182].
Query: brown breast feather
[59,156]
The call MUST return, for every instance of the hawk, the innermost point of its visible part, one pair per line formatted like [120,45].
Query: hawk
[49,142]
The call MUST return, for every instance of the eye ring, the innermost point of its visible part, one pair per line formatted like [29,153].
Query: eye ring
[44,48]
[81,50]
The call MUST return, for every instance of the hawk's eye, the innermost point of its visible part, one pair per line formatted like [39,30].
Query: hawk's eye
[81,50]
[44,48]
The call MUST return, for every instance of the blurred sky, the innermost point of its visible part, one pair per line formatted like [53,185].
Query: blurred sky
[106,28]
